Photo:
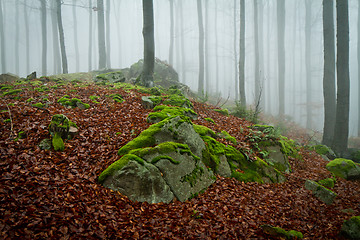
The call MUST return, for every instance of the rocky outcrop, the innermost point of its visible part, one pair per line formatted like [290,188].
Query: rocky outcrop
[7,77]
[325,195]
[351,228]
[344,168]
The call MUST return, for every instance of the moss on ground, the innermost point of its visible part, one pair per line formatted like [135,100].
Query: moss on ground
[162,112]
[73,102]
[224,112]
[178,100]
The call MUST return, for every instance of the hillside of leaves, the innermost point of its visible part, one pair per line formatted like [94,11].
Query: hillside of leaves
[55,195]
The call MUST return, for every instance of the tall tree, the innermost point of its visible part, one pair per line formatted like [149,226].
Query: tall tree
[235,54]
[75,37]
[281,54]
[171,48]
[62,38]
[329,72]
[358,59]
[27,37]
[341,132]
[108,55]
[183,56]
[90,49]
[17,37]
[201,49]
[147,78]
[55,38]
[2,40]
[308,11]
[216,48]
[101,34]
[242,55]
[44,36]
[206,49]
[256,42]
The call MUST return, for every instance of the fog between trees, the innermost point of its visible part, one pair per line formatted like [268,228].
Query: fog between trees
[22,25]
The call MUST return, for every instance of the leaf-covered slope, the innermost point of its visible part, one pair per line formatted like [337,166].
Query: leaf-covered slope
[46,194]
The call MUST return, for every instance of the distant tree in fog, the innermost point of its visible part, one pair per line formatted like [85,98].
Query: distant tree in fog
[147,78]
[44,36]
[358,59]
[55,38]
[341,132]
[281,54]
[257,60]
[329,72]
[17,42]
[77,60]
[101,34]
[27,37]
[308,64]
[2,40]
[62,38]
[90,48]
[201,49]
[107,25]
[242,55]
[171,48]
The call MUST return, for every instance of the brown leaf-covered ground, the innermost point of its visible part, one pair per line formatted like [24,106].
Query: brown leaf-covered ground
[55,195]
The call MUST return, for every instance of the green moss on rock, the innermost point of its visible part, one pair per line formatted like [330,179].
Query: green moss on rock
[204,131]
[281,233]
[58,143]
[351,228]
[344,168]
[327,182]
[210,120]
[162,112]
[224,112]
[178,100]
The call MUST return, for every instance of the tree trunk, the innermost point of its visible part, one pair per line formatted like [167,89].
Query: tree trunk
[216,50]
[242,55]
[308,63]
[261,53]
[17,37]
[281,54]
[62,38]
[55,34]
[201,49]
[75,37]
[101,34]
[27,37]
[341,132]
[183,58]
[44,36]
[108,50]
[147,78]
[171,48]
[117,17]
[90,49]
[329,72]
[358,59]
[2,40]
[206,54]
[256,42]
[235,55]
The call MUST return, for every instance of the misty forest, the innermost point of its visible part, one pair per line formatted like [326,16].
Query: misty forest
[180,119]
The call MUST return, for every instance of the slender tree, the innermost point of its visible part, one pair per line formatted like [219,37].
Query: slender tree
[27,37]
[55,38]
[147,78]
[341,132]
[171,48]
[235,54]
[183,56]
[17,37]
[201,49]
[62,38]
[206,49]
[216,49]
[90,49]
[281,54]
[107,25]
[358,59]
[75,37]
[308,11]
[256,42]
[101,34]
[2,40]
[329,72]
[242,55]
[44,36]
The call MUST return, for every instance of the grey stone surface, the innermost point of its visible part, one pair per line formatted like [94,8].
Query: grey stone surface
[325,195]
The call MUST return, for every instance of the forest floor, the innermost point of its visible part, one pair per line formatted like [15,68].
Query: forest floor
[46,194]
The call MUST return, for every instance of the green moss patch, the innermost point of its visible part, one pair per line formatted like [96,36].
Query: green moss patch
[178,100]
[210,120]
[57,142]
[344,168]
[12,92]
[117,98]
[224,112]
[327,182]
[163,112]
[281,233]
[73,102]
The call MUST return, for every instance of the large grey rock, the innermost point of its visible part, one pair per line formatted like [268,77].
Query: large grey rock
[278,159]
[344,168]
[142,183]
[351,228]
[324,194]
[111,77]
[8,77]
[224,167]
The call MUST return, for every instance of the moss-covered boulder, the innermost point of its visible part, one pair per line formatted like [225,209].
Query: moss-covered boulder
[325,195]
[149,102]
[61,128]
[72,102]
[110,77]
[162,112]
[351,228]
[344,168]
[325,151]
[281,233]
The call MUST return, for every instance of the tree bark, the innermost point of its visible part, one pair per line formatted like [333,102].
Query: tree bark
[75,37]
[44,37]
[206,49]
[90,49]
[183,56]
[329,72]
[235,55]
[108,49]
[171,48]
[341,132]
[256,42]
[308,11]
[358,59]
[17,37]
[242,55]
[281,54]
[27,37]
[62,38]
[201,49]
[147,78]
[101,34]
[216,50]
[55,38]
